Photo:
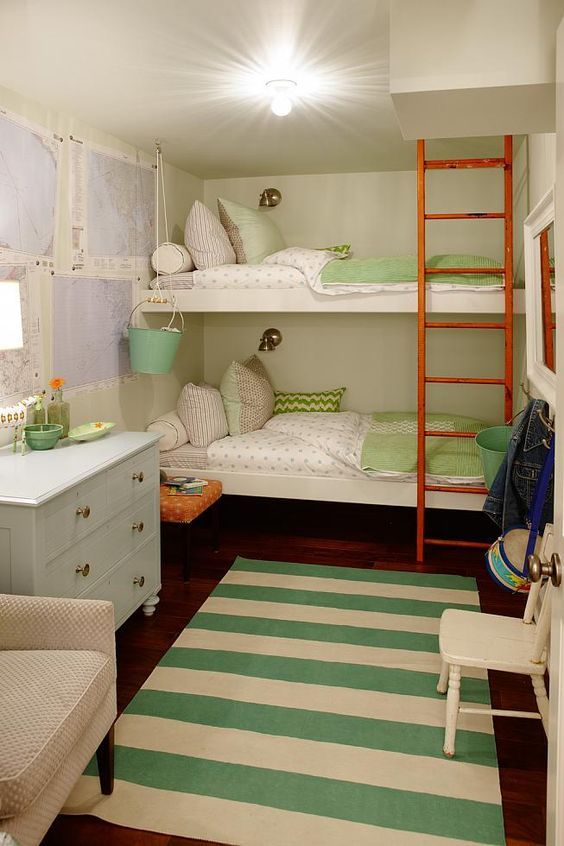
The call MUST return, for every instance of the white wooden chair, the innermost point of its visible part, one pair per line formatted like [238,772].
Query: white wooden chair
[492,642]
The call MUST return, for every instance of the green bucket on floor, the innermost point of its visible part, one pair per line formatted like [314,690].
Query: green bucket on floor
[152,350]
[492,445]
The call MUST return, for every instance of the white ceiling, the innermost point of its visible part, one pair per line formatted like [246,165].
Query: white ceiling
[192,73]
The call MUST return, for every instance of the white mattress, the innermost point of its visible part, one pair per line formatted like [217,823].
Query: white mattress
[174,281]
[239,276]
[316,444]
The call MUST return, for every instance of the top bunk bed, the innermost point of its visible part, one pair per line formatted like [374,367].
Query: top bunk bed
[304,280]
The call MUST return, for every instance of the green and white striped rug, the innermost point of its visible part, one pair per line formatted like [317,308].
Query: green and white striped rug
[300,707]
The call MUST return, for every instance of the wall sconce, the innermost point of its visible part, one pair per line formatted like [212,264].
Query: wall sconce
[270,340]
[270,197]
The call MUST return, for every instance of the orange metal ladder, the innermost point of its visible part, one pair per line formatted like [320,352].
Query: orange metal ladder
[423,324]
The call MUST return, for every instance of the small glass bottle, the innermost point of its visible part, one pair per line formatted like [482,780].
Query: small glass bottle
[58,411]
[39,410]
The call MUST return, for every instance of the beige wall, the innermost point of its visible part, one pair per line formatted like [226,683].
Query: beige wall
[542,165]
[130,404]
[376,212]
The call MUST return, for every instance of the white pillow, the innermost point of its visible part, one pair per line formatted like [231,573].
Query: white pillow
[206,239]
[201,410]
[171,258]
[251,231]
[171,428]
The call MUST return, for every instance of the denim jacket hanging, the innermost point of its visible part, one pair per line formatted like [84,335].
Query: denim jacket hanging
[511,494]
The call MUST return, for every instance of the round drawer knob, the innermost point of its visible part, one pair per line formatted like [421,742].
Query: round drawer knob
[83,568]
[138,526]
[139,580]
[83,510]
[139,476]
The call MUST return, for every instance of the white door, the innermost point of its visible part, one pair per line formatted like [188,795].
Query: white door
[555,798]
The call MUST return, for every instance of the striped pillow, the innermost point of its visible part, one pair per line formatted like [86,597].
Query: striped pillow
[206,239]
[201,410]
[284,402]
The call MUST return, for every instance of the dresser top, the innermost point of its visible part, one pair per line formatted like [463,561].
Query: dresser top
[38,476]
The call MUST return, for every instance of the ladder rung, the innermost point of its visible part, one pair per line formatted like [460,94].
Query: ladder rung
[437,433]
[431,324]
[463,380]
[466,216]
[473,489]
[471,544]
[451,164]
[473,270]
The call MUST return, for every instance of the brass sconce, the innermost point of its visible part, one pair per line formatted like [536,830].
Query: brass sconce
[270,340]
[270,197]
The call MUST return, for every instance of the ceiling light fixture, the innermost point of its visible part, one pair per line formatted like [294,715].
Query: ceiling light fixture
[281,91]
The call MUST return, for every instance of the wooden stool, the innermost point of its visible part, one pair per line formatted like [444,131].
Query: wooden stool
[185,509]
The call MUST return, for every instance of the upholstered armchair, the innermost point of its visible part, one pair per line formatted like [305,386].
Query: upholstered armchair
[57,705]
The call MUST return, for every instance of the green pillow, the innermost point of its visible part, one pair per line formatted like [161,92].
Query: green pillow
[252,233]
[284,402]
[340,250]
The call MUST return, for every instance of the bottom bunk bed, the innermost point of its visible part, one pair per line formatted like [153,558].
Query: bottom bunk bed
[338,457]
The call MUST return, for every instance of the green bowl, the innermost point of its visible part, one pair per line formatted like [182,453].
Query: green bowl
[42,435]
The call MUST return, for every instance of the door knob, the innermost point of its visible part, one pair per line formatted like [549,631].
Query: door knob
[82,568]
[139,476]
[83,510]
[552,569]
[139,580]
[138,526]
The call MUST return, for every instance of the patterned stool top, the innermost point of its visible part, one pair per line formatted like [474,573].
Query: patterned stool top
[185,509]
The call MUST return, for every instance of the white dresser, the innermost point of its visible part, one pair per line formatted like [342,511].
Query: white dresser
[82,520]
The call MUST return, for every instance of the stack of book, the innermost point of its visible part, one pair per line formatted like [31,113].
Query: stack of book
[185,486]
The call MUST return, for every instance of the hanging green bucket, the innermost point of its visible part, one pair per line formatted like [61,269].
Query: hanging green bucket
[153,350]
[492,444]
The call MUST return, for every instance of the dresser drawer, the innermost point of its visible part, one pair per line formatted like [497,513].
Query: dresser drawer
[136,578]
[74,514]
[130,480]
[73,572]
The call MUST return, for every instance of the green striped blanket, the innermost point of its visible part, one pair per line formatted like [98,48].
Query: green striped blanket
[391,445]
[389,270]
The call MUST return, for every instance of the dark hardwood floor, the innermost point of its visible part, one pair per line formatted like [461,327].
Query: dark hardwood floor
[326,533]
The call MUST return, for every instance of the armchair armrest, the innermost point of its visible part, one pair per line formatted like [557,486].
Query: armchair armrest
[36,622]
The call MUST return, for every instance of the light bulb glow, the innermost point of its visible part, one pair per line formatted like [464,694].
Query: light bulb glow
[281,91]
[281,105]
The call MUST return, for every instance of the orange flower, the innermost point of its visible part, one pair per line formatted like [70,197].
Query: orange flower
[56,384]
[98,425]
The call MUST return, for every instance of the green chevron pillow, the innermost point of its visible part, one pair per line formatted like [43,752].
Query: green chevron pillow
[284,402]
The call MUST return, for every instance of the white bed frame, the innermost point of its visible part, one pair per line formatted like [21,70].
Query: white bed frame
[304,300]
[326,489]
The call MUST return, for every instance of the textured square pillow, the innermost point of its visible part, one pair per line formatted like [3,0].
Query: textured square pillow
[252,233]
[255,364]
[206,239]
[202,413]
[172,430]
[285,402]
[248,398]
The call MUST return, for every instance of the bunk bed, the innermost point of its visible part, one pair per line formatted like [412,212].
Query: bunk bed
[422,299]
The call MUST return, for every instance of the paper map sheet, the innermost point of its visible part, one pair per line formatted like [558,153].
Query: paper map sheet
[20,370]
[113,209]
[29,162]
[90,317]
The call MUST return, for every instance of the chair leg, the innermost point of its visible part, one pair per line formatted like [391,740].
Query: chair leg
[216,524]
[105,759]
[542,700]
[442,684]
[187,544]
[453,702]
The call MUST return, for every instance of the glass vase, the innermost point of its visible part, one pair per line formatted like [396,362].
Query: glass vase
[58,411]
